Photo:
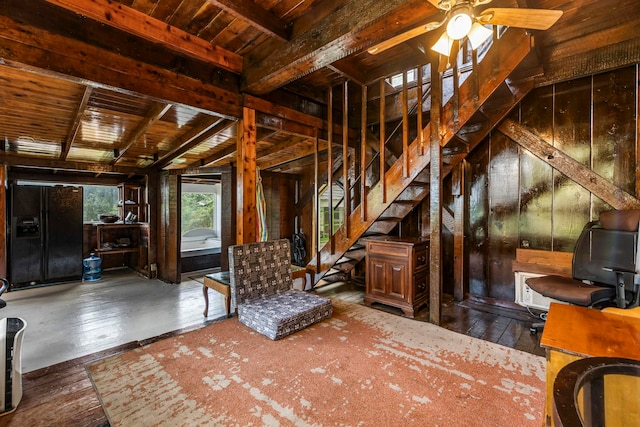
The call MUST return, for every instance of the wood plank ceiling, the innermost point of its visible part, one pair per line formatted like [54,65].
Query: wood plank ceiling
[118,87]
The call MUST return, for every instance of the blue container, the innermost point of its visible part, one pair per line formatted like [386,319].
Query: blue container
[92,268]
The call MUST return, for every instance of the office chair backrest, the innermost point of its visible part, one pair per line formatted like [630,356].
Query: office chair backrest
[599,251]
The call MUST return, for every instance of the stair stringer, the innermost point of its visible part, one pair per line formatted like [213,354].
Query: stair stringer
[503,57]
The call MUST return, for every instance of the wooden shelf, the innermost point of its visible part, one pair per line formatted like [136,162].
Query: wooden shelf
[115,234]
[116,251]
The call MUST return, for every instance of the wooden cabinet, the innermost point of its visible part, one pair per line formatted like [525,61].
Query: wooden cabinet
[397,273]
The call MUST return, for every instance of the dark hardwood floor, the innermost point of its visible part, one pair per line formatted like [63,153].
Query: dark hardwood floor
[62,394]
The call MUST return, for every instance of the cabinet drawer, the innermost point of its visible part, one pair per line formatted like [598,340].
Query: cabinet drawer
[421,259]
[420,285]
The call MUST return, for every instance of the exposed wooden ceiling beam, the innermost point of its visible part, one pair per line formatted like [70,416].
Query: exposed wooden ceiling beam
[40,51]
[562,68]
[208,127]
[255,15]
[153,115]
[272,162]
[66,165]
[574,170]
[347,71]
[265,106]
[142,25]
[218,155]
[267,121]
[353,27]
[75,125]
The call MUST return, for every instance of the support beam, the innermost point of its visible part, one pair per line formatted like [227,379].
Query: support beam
[435,201]
[127,19]
[41,51]
[75,125]
[574,170]
[154,114]
[459,215]
[352,27]
[200,132]
[246,178]
[256,16]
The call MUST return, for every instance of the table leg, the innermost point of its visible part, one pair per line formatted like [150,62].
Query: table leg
[227,305]
[205,292]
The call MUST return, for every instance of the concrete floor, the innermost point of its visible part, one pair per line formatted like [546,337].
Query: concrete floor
[75,319]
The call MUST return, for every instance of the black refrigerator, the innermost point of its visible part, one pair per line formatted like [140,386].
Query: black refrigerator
[45,235]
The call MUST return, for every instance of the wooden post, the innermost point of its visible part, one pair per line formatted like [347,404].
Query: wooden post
[435,195]
[3,220]
[405,127]
[345,158]
[332,244]
[419,96]
[459,210]
[316,204]
[363,155]
[383,137]
[246,178]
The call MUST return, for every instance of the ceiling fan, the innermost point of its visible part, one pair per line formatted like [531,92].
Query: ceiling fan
[462,21]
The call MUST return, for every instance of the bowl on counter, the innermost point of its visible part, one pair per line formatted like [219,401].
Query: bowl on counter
[109,218]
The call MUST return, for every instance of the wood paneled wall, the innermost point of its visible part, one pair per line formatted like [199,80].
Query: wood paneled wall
[517,200]
[279,194]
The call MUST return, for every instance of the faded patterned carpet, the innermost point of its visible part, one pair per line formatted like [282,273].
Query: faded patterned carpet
[361,367]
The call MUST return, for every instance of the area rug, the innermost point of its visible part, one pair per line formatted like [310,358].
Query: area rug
[361,367]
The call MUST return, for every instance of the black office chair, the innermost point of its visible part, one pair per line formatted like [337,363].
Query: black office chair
[605,266]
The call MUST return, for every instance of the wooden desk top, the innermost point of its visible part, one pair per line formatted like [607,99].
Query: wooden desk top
[591,332]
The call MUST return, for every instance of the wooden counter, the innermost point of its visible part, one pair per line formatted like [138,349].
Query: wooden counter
[573,332]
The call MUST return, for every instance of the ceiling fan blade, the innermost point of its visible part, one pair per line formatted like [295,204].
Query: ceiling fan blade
[435,3]
[533,19]
[393,41]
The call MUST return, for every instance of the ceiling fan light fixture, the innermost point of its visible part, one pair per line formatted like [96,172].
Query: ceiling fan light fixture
[443,45]
[460,22]
[478,35]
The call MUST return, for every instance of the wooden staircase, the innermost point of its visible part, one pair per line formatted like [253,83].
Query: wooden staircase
[506,76]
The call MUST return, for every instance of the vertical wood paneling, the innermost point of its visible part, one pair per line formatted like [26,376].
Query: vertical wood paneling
[228,218]
[168,255]
[536,177]
[572,135]
[503,211]
[594,121]
[614,128]
[478,221]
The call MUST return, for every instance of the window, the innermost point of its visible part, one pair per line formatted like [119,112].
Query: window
[96,199]
[99,199]
[324,219]
[201,206]
[396,80]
